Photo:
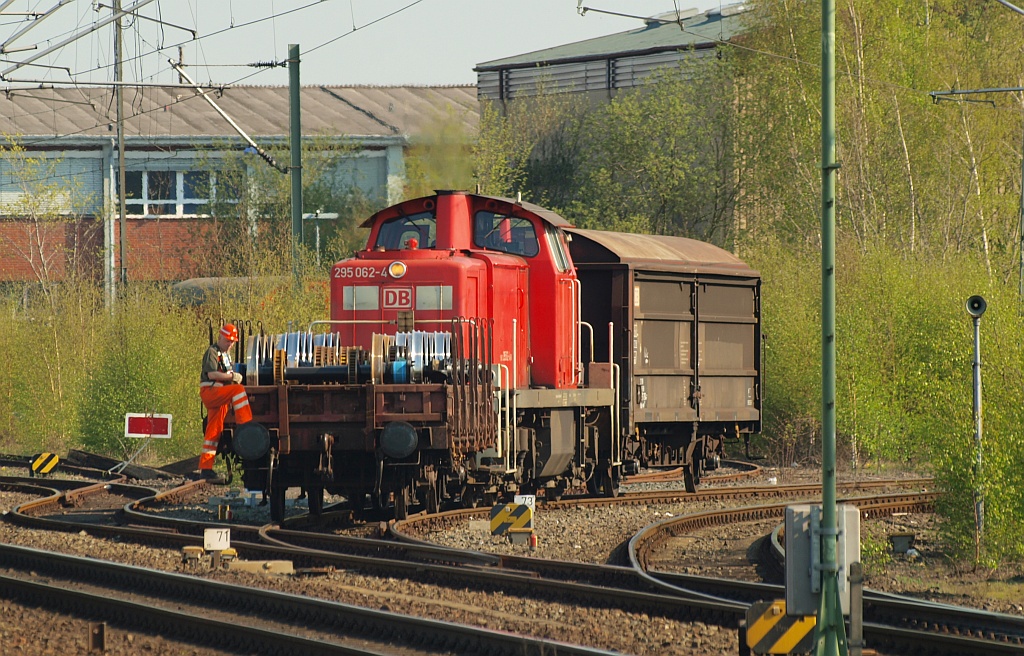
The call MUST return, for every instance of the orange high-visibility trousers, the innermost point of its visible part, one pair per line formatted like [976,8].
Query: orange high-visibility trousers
[217,399]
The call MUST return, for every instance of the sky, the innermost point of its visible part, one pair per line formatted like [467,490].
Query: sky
[342,42]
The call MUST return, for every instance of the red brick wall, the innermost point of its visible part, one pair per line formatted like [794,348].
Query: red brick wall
[158,249]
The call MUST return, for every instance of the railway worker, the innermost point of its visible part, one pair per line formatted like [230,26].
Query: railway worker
[219,388]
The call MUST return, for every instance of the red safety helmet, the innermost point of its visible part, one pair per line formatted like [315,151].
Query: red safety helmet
[229,332]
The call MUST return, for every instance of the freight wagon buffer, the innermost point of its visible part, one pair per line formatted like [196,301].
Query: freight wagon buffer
[685,330]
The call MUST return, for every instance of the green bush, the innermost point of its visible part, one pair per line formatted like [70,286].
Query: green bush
[146,361]
[904,348]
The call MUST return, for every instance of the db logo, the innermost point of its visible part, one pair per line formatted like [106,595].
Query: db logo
[398,298]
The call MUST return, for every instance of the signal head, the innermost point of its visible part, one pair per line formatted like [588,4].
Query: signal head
[976,306]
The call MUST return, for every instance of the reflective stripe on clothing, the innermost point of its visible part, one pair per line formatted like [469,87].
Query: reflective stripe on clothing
[208,383]
[218,400]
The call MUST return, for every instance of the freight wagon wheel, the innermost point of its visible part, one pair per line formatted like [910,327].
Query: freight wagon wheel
[691,475]
[229,469]
[277,503]
[316,500]
[402,503]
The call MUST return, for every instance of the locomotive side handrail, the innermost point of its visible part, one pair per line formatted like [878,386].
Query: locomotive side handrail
[616,384]
[506,423]
[591,329]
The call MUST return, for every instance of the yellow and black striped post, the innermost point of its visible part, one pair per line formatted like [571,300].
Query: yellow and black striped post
[510,515]
[43,464]
[771,631]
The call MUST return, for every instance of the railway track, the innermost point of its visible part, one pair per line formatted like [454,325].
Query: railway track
[891,621]
[221,614]
[594,586]
[927,628]
[171,603]
[900,624]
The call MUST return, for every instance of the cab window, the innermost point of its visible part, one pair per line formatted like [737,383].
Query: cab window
[508,234]
[395,234]
[556,241]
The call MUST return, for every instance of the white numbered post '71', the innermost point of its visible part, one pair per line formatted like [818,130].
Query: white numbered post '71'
[216,539]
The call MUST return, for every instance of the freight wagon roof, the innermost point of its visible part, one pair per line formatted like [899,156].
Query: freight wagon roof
[658,252]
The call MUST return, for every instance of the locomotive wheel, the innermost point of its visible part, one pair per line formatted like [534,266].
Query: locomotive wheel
[602,484]
[433,502]
[608,487]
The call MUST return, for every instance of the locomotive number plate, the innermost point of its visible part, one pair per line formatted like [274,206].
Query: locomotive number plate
[365,272]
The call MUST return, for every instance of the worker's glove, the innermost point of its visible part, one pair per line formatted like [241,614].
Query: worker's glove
[236,377]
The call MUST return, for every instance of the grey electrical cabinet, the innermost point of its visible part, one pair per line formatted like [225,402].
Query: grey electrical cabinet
[803,556]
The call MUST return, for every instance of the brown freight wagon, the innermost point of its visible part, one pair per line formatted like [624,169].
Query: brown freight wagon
[684,321]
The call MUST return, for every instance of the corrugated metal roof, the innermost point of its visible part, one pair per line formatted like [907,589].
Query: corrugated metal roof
[660,251]
[700,30]
[262,111]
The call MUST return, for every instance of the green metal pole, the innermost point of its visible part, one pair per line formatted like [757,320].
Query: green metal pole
[119,93]
[296,148]
[830,632]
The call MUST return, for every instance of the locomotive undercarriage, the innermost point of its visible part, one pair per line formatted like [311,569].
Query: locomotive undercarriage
[406,447]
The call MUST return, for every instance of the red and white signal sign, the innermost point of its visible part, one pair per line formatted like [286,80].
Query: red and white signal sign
[397,298]
[147,425]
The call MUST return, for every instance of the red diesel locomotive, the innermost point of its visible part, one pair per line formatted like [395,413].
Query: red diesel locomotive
[480,347]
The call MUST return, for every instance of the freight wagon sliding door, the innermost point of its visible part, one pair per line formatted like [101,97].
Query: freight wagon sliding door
[663,335]
[727,356]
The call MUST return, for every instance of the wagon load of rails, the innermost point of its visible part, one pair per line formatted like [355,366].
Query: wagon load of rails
[311,358]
